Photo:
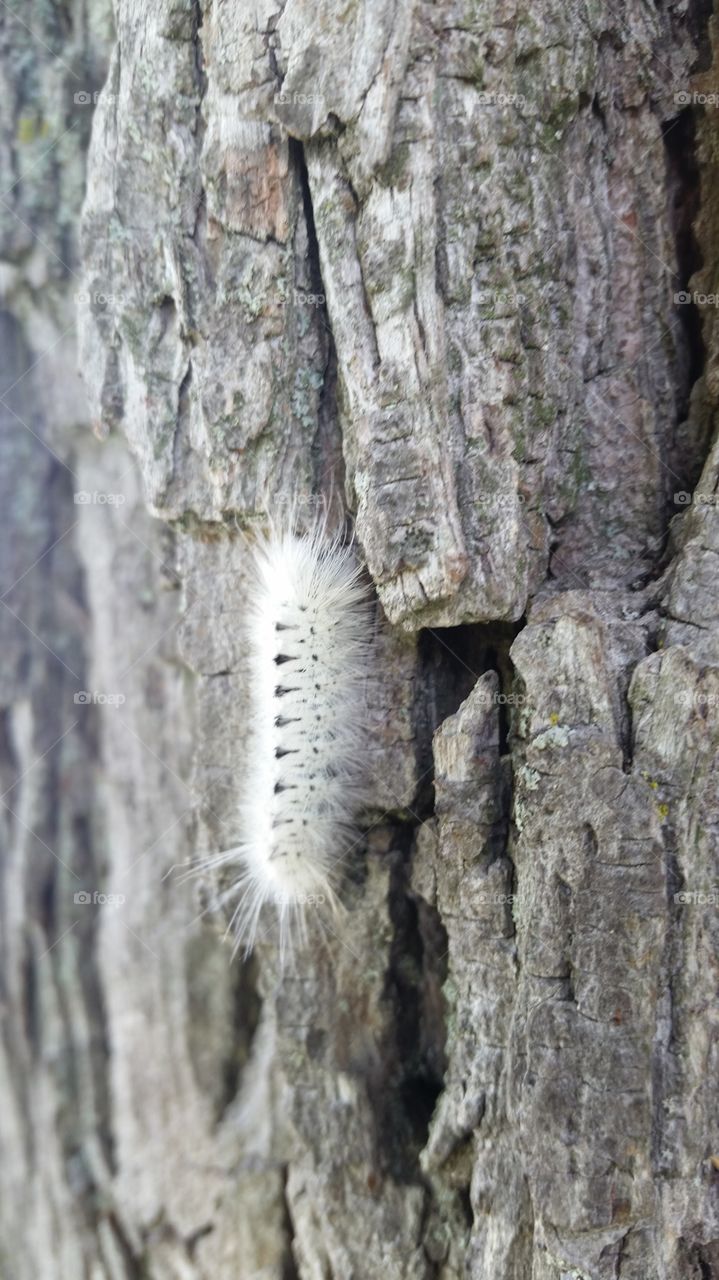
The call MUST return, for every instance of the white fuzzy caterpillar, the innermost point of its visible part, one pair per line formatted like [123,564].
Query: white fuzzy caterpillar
[308,631]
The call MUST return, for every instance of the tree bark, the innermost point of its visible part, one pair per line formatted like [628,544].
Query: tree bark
[452,267]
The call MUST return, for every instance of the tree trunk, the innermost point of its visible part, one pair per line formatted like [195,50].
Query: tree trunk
[454,268]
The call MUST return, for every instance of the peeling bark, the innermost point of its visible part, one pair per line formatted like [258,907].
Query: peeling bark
[443,265]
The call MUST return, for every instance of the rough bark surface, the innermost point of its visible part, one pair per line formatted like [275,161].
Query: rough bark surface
[443,264]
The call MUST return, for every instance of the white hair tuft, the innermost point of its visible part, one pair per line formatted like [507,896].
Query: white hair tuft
[308,634]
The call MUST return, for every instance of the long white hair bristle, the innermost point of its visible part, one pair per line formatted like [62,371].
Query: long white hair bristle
[308,635]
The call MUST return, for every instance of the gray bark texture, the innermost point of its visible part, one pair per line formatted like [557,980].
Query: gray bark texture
[452,266]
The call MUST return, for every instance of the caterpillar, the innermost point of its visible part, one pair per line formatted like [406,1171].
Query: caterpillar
[308,622]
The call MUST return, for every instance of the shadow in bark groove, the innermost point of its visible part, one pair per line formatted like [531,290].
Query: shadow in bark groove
[289,1267]
[415,1055]
[327,457]
[687,455]
[452,659]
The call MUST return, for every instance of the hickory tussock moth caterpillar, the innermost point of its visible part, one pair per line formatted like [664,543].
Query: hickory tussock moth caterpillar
[308,635]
